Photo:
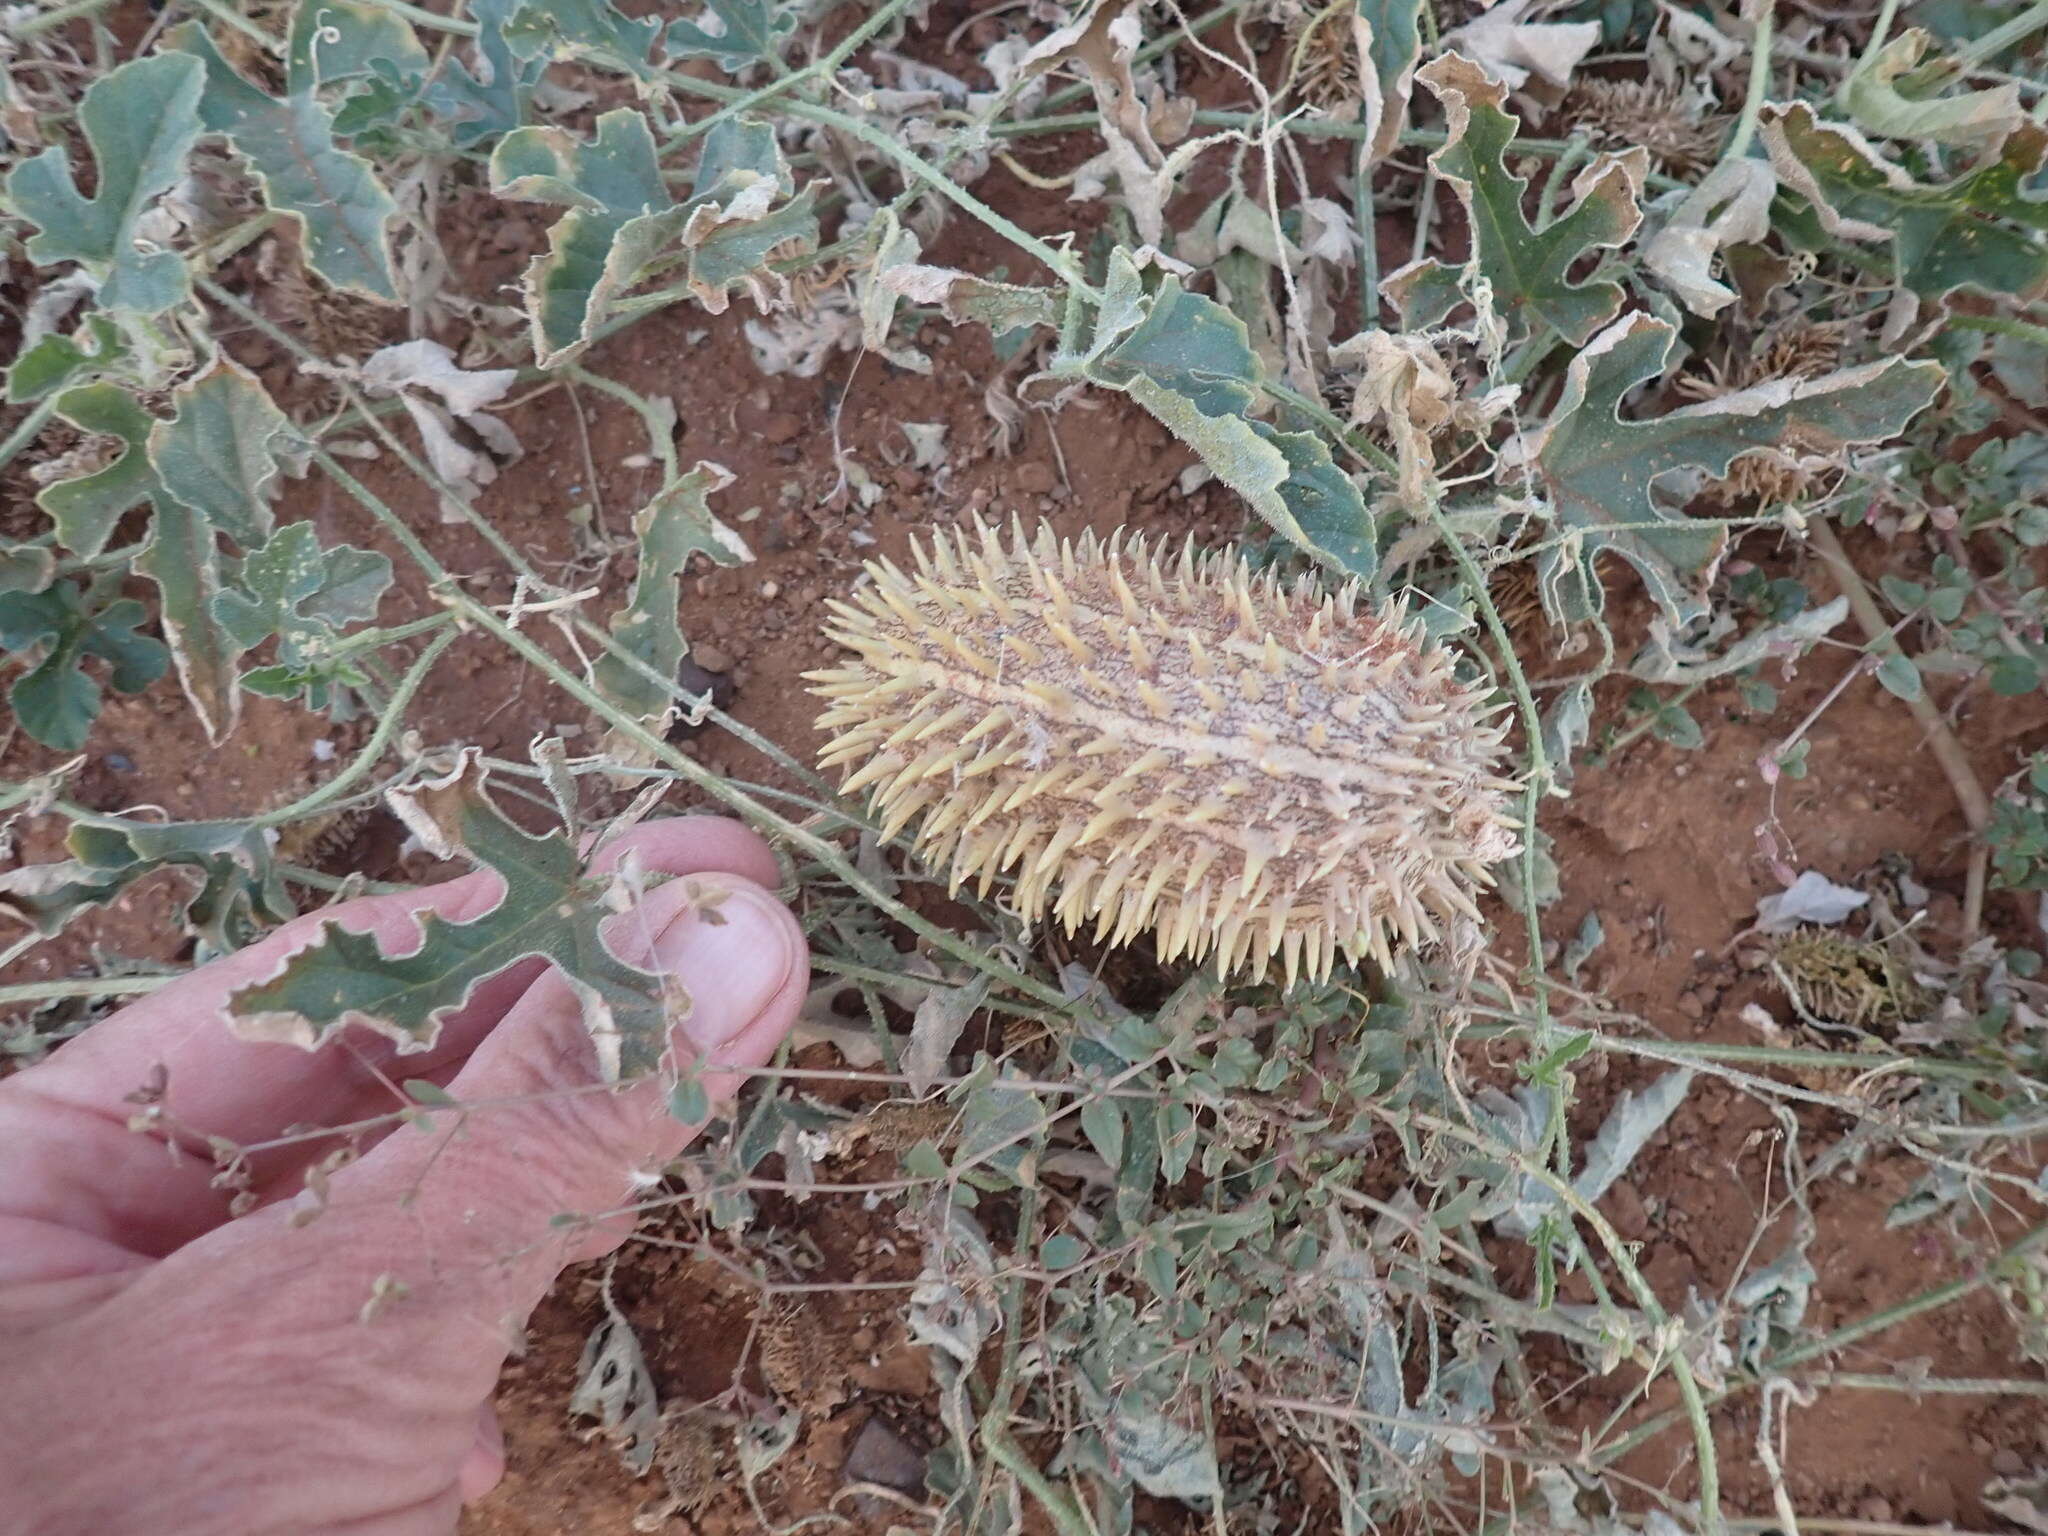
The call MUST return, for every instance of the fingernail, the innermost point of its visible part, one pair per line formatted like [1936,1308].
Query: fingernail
[732,948]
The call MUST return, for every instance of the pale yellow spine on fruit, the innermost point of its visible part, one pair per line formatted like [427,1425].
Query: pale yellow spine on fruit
[1246,768]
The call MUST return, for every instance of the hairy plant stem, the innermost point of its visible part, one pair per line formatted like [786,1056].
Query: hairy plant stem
[1474,581]
[1760,18]
[1877,1322]
[2016,29]
[1941,740]
[2002,325]
[28,429]
[995,1418]
[56,16]
[1694,1404]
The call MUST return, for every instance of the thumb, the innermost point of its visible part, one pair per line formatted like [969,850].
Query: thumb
[475,1199]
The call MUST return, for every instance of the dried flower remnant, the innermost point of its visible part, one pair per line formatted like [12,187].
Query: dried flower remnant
[1246,767]
[1675,131]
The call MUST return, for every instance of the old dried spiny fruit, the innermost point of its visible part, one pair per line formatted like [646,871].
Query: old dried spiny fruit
[1249,768]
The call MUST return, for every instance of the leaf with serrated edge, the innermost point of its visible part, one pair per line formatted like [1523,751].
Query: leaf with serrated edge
[55,361]
[491,99]
[1982,230]
[1526,268]
[141,121]
[334,197]
[1598,469]
[1189,361]
[676,524]
[750,32]
[550,910]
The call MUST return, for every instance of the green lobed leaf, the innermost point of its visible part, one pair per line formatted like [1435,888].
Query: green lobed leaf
[550,910]
[580,29]
[141,121]
[87,508]
[305,596]
[56,701]
[1526,269]
[342,210]
[215,466]
[1598,469]
[676,524]
[490,100]
[1189,361]
[26,567]
[1985,229]
[622,221]
[237,892]
[57,362]
[219,454]
[749,32]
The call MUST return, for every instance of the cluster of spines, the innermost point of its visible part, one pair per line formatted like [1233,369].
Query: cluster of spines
[1051,748]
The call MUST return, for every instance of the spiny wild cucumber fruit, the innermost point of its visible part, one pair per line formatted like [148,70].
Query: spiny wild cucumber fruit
[1246,767]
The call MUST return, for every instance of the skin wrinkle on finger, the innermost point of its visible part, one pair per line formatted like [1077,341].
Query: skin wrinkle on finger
[131,1188]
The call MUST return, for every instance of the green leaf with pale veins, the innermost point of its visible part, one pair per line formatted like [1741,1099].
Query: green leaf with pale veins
[580,29]
[748,32]
[141,121]
[1525,268]
[550,910]
[622,224]
[55,700]
[1189,361]
[216,467]
[344,213]
[675,525]
[1597,469]
[1986,229]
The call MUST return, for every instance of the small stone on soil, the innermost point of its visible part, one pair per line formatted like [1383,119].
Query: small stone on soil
[880,1455]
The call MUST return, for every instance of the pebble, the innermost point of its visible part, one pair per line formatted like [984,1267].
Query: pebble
[711,658]
[782,427]
[1692,1005]
[1876,1508]
[2007,1462]
[119,762]
[1036,478]
[880,1455]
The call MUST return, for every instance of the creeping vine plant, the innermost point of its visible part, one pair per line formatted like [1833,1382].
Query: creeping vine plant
[1254,1250]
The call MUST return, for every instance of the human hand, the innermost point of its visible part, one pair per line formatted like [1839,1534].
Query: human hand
[170,1370]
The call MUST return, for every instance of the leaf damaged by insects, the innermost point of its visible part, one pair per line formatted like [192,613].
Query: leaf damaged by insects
[550,909]
[674,525]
